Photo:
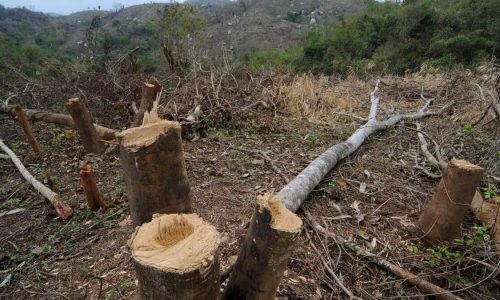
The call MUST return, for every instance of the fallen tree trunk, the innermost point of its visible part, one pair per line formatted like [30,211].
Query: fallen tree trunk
[155,174]
[413,279]
[63,209]
[177,257]
[60,119]
[265,252]
[149,92]
[84,125]
[297,190]
[92,193]
[25,124]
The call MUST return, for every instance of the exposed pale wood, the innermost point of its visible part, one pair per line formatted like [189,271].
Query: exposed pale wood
[177,257]
[25,124]
[149,92]
[63,209]
[443,215]
[265,252]
[411,278]
[84,125]
[60,119]
[89,184]
[155,171]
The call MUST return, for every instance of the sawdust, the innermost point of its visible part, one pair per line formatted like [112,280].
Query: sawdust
[282,218]
[145,135]
[177,243]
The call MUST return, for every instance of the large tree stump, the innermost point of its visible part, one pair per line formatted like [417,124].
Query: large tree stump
[85,126]
[149,92]
[25,124]
[265,252]
[443,215]
[89,184]
[177,257]
[154,170]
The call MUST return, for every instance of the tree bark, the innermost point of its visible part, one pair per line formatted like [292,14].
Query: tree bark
[60,119]
[89,184]
[149,92]
[25,124]
[177,257]
[265,252]
[443,215]
[85,126]
[155,171]
[63,210]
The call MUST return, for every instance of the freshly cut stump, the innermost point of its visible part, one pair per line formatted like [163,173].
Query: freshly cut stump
[265,252]
[155,171]
[443,215]
[177,257]
[89,184]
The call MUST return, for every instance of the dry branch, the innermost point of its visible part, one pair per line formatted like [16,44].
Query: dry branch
[177,257]
[413,279]
[297,190]
[25,124]
[63,210]
[60,119]
[84,125]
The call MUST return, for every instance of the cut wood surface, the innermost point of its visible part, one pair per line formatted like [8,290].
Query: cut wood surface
[85,126]
[265,252]
[154,169]
[488,212]
[443,215]
[149,93]
[177,257]
[63,209]
[297,190]
[89,184]
[28,131]
[59,119]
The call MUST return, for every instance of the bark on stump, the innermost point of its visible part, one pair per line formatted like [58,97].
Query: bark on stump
[85,126]
[89,184]
[443,215]
[155,171]
[148,95]
[177,257]
[265,252]
[25,124]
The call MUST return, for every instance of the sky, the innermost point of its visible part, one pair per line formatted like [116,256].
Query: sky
[65,7]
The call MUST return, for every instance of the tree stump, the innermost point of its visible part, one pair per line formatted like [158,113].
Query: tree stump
[25,124]
[89,184]
[443,215]
[148,95]
[85,126]
[265,252]
[155,171]
[177,257]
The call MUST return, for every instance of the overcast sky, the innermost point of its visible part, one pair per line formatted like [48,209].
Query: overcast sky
[69,6]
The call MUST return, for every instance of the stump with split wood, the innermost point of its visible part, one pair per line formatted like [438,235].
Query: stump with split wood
[85,126]
[177,257]
[89,184]
[443,215]
[265,252]
[155,171]
[149,92]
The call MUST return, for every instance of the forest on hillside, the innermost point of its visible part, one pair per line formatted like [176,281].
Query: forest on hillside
[251,149]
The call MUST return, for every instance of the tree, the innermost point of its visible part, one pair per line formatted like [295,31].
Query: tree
[180,24]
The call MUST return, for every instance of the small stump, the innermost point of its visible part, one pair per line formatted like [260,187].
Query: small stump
[177,257]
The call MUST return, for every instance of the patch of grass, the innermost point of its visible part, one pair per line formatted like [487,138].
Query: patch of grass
[468,129]
[83,214]
[111,294]
[440,255]
[128,284]
[480,234]
[14,146]
[490,192]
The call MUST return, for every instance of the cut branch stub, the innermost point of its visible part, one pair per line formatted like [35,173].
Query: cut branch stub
[177,257]
[85,126]
[443,215]
[148,95]
[265,252]
[25,124]
[89,184]
[154,170]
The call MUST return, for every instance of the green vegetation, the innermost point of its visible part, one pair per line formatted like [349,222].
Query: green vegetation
[396,37]
[438,256]
[490,192]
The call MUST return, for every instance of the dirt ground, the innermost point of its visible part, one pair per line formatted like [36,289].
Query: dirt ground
[373,198]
